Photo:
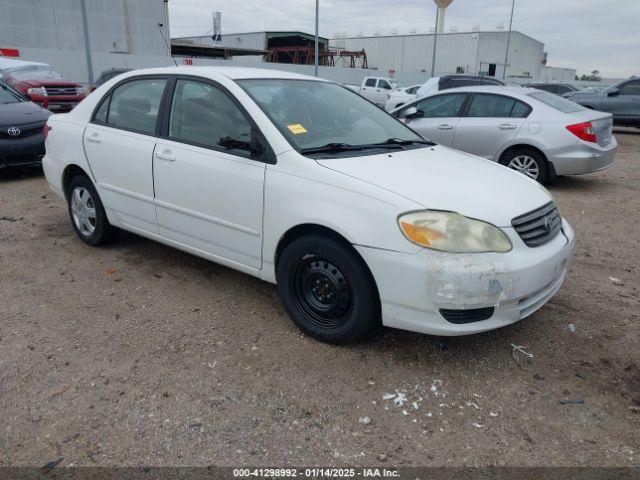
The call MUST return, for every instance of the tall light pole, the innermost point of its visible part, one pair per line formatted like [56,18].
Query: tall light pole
[317,40]
[87,43]
[506,56]
[435,42]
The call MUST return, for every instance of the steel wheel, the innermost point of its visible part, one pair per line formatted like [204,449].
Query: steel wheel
[83,211]
[322,292]
[525,164]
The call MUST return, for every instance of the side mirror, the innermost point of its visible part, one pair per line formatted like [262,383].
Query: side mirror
[411,112]
[614,92]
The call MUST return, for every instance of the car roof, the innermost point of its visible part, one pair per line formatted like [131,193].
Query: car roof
[7,63]
[233,73]
[513,91]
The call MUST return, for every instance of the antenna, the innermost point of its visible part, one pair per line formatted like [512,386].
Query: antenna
[160,25]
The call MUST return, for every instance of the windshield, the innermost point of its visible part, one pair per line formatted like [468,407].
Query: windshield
[313,114]
[33,72]
[8,95]
[557,102]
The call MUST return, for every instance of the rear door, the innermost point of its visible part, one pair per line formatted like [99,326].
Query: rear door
[119,144]
[437,117]
[490,121]
[625,106]
[208,183]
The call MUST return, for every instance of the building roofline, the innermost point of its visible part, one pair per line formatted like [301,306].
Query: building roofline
[504,32]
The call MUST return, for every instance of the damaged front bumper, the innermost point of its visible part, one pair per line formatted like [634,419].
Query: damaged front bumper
[415,289]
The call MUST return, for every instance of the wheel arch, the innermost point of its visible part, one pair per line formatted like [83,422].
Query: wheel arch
[303,229]
[69,173]
[519,146]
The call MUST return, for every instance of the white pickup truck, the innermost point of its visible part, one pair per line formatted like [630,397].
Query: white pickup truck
[376,89]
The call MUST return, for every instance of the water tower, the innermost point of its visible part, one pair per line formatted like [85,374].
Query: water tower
[442,4]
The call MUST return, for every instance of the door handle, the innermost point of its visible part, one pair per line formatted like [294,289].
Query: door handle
[95,138]
[507,126]
[445,126]
[166,155]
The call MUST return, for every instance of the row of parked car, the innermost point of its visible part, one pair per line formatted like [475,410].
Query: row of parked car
[29,93]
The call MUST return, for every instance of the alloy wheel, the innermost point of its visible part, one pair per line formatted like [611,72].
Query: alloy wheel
[526,165]
[83,211]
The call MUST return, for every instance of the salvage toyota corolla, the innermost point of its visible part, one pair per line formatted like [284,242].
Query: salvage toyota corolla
[303,183]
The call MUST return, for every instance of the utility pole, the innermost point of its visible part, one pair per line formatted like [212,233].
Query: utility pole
[87,44]
[435,43]
[506,56]
[317,39]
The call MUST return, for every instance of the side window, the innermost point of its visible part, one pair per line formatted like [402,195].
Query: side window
[101,114]
[520,110]
[371,82]
[413,90]
[384,84]
[441,105]
[204,115]
[486,105]
[630,88]
[562,89]
[135,105]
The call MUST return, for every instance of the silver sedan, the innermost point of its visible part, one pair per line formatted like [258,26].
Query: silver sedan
[537,133]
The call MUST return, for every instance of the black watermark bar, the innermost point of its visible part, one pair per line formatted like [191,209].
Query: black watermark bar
[234,473]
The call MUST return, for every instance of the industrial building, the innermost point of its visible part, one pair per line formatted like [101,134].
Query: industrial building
[119,33]
[475,53]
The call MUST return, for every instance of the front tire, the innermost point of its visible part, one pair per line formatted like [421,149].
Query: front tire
[527,161]
[87,213]
[327,289]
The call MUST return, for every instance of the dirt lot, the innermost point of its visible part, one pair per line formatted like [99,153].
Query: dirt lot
[140,354]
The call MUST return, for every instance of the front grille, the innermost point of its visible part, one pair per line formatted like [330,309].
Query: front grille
[466,316]
[25,131]
[53,91]
[539,226]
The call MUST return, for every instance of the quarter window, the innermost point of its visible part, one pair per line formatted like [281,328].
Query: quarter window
[204,115]
[496,106]
[441,105]
[134,106]
[631,88]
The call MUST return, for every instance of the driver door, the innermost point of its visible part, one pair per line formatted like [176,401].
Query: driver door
[437,117]
[625,106]
[208,183]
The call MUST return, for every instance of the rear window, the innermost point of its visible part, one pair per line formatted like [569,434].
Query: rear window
[554,101]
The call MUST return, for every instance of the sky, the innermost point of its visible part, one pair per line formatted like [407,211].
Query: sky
[582,34]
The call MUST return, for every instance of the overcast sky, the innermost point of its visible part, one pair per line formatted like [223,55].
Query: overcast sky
[581,34]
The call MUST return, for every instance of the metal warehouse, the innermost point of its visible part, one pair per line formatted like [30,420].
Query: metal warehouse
[464,52]
[119,33]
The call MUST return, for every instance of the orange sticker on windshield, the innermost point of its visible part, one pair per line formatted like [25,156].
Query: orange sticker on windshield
[296,128]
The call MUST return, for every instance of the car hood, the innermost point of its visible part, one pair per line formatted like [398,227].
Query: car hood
[22,113]
[440,178]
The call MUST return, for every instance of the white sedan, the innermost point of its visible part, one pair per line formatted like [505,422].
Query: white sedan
[532,131]
[302,183]
[401,96]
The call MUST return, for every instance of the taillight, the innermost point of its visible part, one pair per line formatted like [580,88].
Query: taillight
[584,131]
[47,129]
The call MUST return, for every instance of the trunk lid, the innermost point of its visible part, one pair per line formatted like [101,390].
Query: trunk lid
[602,124]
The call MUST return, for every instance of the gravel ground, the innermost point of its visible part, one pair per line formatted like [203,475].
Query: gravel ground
[138,354]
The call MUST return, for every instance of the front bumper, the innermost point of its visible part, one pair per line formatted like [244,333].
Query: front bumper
[22,151]
[415,287]
[58,103]
[583,157]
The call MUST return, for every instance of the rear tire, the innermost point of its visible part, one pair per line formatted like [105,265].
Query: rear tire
[87,213]
[327,289]
[527,161]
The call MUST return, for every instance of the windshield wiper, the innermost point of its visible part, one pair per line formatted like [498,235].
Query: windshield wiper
[400,142]
[333,147]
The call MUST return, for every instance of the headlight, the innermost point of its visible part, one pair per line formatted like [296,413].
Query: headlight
[452,232]
[37,91]
[84,91]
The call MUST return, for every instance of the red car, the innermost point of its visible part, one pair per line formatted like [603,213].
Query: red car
[45,86]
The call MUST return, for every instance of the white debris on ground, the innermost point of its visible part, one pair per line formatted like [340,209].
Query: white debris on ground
[365,420]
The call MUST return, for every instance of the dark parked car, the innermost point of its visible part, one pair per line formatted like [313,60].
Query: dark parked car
[621,99]
[22,125]
[555,87]
[108,75]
